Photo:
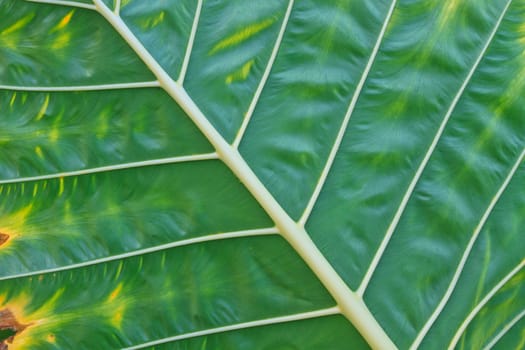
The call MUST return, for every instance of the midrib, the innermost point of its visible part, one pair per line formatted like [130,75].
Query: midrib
[349,303]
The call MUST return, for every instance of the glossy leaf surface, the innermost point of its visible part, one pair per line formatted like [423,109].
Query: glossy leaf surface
[262,174]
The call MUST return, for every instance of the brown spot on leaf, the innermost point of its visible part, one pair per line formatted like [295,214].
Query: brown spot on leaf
[8,322]
[3,238]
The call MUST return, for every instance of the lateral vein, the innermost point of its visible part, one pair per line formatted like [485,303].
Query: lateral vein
[346,119]
[461,329]
[466,254]
[259,323]
[189,46]
[66,3]
[144,163]
[264,78]
[351,305]
[393,225]
[504,331]
[184,242]
[136,85]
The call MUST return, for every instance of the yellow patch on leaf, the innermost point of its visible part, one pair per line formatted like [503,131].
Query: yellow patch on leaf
[64,21]
[38,151]
[241,73]
[513,92]
[115,292]
[36,323]
[521,31]
[10,36]
[115,306]
[21,23]
[35,189]
[61,41]
[13,316]
[153,21]
[242,35]
[43,108]
[51,338]
[60,186]
[450,8]
[13,224]
[13,99]
[119,269]
[54,134]
[116,320]
[103,124]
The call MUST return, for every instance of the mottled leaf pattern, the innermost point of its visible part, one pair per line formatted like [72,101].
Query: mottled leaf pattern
[198,174]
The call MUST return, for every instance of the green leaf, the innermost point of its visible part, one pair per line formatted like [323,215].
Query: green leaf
[262,175]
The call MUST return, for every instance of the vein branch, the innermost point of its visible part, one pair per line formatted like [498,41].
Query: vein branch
[466,322]
[466,254]
[504,331]
[184,242]
[346,119]
[264,78]
[189,46]
[264,322]
[400,210]
[118,86]
[150,162]
[351,305]
[66,3]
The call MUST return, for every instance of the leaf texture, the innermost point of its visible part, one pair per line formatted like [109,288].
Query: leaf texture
[253,175]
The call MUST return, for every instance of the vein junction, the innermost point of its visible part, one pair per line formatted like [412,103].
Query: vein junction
[351,305]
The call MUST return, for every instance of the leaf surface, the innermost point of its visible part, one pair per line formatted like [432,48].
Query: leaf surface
[278,174]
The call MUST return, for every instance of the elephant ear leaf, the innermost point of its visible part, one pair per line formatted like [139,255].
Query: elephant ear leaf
[262,174]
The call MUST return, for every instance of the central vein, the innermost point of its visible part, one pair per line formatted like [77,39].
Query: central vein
[349,303]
